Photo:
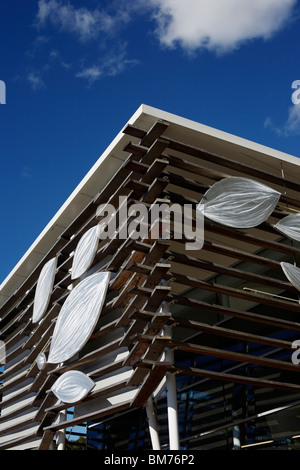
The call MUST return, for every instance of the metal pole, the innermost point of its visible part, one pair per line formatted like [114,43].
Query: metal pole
[61,434]
[172,400]
[152,423]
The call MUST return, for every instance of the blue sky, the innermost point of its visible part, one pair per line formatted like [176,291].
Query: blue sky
[75,71]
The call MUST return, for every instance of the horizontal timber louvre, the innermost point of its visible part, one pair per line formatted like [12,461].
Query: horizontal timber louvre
[229,305]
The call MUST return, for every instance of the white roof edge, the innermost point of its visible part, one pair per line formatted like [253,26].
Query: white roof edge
[156,114]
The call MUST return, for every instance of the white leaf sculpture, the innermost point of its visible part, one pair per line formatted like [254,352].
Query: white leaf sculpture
[44,290]
[290,226]
[78,317]
[238,202]
[85,252]
[72,386]
[292,273]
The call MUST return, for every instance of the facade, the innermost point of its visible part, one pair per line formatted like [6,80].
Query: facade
[139,338]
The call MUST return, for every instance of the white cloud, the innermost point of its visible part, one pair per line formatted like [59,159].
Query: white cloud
[54,55]
[85,23]
[35,80]
[218,25]
[110,66]
[91,73]
[291,126]
[193,24]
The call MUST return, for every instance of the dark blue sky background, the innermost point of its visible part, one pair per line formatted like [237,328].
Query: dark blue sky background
[76,71]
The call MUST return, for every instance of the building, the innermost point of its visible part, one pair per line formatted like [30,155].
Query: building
[144,342]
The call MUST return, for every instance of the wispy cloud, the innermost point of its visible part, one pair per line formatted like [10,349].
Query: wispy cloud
[92,73]
[35,80]
[218,25]
[291,125]
[86,24]
[215,25]
[193,25]
[36,75]
[55,55]
[37,45]
[96,29]
[108,66]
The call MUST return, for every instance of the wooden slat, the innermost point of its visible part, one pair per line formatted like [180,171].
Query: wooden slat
[217,176]
[218,269]
[95,354]
[195,168]
[228,333]
[15,442]
[150,383]
[158,128]
[152,329]
[46,440]
[241,314]
[204,155]
[147,137]
[235,378]
[87,417]
[251,239]
[242,294]
[234,356]
[153,353]
[231,272]
[240,255]
[155,170]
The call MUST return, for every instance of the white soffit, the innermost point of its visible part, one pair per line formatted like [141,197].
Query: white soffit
[181,129]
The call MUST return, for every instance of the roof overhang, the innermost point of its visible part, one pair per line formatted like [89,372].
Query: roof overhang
[181,129]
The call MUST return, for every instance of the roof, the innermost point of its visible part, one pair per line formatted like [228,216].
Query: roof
[181,129]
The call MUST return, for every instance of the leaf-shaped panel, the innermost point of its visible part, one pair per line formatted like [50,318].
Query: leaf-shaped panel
[238,202]
[292,273]
[44,290]
[290,226]
[72,386]
[78,317]
[85,252]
